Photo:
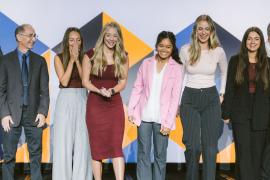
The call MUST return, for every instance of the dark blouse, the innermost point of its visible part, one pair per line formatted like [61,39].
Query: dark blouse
[252,77]
[75,79]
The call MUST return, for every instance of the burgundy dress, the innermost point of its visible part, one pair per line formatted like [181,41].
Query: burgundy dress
[105,117]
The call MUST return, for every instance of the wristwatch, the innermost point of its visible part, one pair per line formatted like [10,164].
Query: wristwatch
[112,91]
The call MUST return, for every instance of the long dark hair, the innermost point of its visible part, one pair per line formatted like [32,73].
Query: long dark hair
[65,46]
[262,66]
[167,34]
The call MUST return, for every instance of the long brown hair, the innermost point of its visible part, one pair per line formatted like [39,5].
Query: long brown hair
[262,66]
[65,46]
[195,48]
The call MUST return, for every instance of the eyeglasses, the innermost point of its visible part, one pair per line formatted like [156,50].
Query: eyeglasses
[30,35]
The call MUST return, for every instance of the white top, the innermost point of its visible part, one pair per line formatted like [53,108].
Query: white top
[202,73]
[151,112]
[267,45]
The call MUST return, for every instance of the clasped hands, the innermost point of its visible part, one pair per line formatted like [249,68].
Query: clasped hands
[74,53]
[105,92]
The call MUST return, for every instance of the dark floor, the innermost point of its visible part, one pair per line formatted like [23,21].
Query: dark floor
[174,172]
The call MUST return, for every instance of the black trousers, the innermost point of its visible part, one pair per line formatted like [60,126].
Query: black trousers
[34,142]
[200,113]
[249,147]
[266,160]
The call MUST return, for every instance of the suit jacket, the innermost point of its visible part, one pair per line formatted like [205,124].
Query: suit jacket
[1,53]
[236,105]
[11,88]
[170,92]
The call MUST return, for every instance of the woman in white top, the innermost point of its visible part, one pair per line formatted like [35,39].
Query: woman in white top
[200,109]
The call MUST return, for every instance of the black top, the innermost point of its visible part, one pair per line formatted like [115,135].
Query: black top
[236,105]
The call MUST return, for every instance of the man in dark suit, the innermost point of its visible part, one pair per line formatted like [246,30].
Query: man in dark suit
[24,101]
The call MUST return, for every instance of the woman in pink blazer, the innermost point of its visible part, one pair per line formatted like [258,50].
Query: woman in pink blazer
[153,105]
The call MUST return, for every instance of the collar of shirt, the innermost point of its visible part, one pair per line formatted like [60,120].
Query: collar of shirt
[20,58]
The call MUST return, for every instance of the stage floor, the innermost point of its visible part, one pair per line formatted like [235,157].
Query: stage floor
[174,172]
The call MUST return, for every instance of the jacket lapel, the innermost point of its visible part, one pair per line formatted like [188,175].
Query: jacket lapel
[16,65]
[31,64]
[167,73]
[150,72]
[246,78]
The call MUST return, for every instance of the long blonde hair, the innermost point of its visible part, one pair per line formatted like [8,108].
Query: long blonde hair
[120,56]
[195,48]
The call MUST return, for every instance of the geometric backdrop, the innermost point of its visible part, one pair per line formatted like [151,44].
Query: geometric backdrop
[137,50]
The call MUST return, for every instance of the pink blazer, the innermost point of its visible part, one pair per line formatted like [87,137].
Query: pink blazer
[170,92]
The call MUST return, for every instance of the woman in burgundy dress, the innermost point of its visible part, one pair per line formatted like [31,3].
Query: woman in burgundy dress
[105,72]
